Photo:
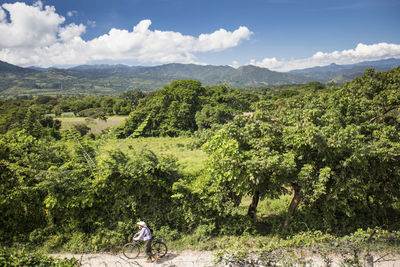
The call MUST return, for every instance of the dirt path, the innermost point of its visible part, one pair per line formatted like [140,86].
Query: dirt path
[200,259]
[184,258]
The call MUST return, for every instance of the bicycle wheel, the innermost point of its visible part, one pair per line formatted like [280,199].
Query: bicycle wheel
[131,250]
[159,248]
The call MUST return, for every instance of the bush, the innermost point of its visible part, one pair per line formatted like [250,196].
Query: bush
[82,128]
[202,136]
[106,240]
[237,225]
[204,232]
[55,242]
[39,235]
[78,243]
[167,233]
[11,257]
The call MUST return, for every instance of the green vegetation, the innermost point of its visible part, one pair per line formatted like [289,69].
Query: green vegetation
[184,107]
[271,172]
[189,160]
[11,257]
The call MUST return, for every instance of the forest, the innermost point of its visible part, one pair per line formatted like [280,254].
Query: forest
[326,158]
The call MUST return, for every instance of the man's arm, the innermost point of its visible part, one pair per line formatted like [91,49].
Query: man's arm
[139,235]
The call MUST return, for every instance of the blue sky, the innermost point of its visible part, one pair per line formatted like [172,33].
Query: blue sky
[277,34]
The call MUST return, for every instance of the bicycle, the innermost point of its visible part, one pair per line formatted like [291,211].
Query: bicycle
[132,250]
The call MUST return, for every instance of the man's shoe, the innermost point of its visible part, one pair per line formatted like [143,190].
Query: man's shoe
[156,258]
[149,260]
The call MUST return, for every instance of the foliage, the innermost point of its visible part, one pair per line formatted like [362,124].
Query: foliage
[202,136]
[185,106]
[82,128]
[24,161]
[338,150]
[11,257]
[173,110]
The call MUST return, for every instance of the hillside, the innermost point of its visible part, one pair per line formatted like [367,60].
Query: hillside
[115,79]
[12,69]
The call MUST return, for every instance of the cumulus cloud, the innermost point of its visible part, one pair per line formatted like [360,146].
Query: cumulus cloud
[222,39]
[361,53]
[37,35]
[71,31]
[29,26]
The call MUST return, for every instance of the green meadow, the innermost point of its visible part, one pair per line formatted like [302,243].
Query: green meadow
[189,160]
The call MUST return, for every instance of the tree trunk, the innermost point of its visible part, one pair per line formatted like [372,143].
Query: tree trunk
[293,205]
[237,200]
[252,211]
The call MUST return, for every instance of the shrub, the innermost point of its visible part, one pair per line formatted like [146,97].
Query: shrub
[237,225]
[167,233]
[11,257]
[82,128]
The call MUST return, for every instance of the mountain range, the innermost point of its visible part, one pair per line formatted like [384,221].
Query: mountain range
[114,79]
[341,73]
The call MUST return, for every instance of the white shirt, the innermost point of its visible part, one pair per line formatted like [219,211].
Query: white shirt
[144,234]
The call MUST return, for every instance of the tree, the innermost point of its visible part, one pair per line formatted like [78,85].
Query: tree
[24,161]
[82,128]
[173,110]
[343,144]
[245,158]
[210,115]
[337,149]
[133,96]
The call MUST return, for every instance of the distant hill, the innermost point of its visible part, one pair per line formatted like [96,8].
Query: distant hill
[341,73]
[115,79]
[9,68]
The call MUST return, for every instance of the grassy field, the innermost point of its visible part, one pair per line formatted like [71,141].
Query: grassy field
[96,125]
[190,161]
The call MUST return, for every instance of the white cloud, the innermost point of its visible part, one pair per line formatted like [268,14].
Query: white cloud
[222,39]
[30,26]
[235,64]
[361,53]
[37,36]
[71,31]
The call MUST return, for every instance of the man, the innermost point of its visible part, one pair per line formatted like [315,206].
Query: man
[145,235]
